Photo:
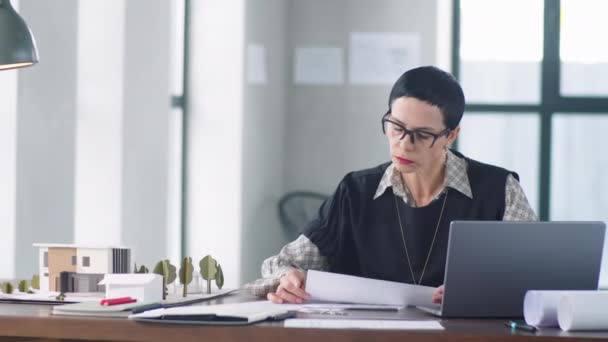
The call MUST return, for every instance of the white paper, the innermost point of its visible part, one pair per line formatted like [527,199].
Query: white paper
[540,308]
[570,310]
[256,64]
[362,324]
[51,296]
[252,310]
[340,288]
[583,310]
[380,58]
[318,65]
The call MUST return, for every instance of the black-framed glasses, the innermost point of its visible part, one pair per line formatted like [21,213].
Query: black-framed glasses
[396,130]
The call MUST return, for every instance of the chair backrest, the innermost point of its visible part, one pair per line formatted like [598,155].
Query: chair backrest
[297,208]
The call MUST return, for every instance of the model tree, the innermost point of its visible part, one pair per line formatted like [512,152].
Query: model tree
[165,269]
[23,286]
[219,277]
[6,287]
[142,269]
[209,270]
[36,282]
[185,274]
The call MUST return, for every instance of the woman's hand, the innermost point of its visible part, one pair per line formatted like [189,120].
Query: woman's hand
[438,295]
[290,289]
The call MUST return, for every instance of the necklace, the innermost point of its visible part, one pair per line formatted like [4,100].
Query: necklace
[432,242]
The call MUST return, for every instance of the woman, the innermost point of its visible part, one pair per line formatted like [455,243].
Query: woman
[391,222]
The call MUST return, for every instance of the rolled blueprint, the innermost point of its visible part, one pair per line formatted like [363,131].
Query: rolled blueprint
[540,307]
[583,310]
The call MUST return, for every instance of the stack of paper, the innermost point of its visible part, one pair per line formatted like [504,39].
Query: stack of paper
[238,313]
[570,310]
[362,324]
[95,309]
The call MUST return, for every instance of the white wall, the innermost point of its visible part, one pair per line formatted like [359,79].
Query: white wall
[100,260]
[8,165]
[145,136]
[44,280]
[46,114]
[331,130]
[263,136]
[215,134]
[99,125]
[90,141]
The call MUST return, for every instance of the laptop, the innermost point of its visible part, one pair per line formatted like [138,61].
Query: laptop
[491,264]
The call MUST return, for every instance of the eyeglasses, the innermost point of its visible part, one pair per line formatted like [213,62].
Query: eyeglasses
[395,130]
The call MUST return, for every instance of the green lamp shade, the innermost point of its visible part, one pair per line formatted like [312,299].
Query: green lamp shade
[17,44]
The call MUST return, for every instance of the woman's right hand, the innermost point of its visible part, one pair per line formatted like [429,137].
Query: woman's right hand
[290,289]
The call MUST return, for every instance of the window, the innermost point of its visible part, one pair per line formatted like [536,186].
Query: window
[46,259]
[74,260]
[86,261]
[537,86]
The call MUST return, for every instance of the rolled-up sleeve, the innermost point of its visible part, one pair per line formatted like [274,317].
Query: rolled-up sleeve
[299,254]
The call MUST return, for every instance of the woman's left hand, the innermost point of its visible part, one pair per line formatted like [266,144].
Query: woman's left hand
[438,295]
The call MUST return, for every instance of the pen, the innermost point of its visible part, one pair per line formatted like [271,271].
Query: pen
[520,326]
[117,301]
[146,307]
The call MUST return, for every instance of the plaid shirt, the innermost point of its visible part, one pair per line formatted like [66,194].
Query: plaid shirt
[303,254]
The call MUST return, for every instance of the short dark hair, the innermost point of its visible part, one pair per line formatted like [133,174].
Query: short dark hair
[433,86]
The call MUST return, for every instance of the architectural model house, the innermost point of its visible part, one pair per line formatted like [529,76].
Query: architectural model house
[144,287]
[85,266]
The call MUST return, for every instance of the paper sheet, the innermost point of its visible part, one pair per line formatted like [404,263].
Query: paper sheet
[583,310]
[570,310]
[540,308]
[256,64]
[362,324]
[51,296]
[245,309]
[318,65]
[381,57]
[268,306]
[339,288]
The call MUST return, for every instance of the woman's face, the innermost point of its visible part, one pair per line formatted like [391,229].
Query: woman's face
[421,155]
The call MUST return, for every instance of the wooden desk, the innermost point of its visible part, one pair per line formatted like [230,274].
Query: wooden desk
[22,322]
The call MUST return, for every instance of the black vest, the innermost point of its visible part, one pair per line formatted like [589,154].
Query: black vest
[361,236]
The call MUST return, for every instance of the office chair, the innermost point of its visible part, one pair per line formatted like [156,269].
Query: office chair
[297,208]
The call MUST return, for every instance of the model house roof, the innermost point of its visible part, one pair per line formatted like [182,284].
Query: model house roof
[73,245]
[129,279]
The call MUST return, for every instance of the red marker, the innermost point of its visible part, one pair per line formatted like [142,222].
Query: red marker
[117,301]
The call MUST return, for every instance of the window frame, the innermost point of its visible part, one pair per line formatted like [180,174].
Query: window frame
[551,101]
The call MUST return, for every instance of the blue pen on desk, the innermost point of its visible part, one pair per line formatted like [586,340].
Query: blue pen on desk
[520,326]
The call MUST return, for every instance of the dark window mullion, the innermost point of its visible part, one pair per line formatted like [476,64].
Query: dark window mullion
[503,108]
[550,99]
[581,105]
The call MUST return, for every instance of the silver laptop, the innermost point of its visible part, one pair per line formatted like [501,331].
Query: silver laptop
[490,265]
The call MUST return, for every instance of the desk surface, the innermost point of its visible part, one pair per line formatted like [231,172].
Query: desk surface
[30,322]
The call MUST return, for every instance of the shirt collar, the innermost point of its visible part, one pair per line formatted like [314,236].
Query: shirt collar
[455,177]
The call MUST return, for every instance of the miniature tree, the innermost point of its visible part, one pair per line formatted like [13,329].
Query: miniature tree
[23,286]
[142,269]
[219,277]
[208,267]
[36,282]
[185,274]
[165,269]
[6,287]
